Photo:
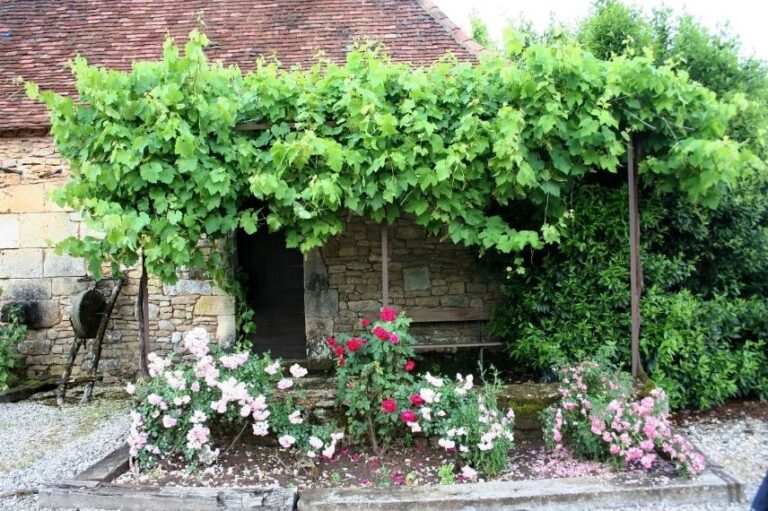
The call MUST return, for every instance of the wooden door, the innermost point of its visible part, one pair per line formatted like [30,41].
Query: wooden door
[275,290]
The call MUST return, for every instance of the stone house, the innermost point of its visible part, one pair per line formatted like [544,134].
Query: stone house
[323,292]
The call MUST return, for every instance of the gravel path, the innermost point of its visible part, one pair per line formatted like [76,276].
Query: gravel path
[40,444]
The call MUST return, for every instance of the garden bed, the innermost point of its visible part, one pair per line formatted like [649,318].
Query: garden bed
[251,464]
[537,479]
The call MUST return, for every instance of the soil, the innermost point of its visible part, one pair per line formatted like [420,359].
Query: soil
[731,410]
[251,464]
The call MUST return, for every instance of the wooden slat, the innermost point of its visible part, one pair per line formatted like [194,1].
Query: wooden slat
[478,344]
[445,314]
[437,315]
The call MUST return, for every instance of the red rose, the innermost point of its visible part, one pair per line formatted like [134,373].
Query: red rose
[409,366]
[331,341]
[338,351]
[342,361]
[381,333]
[355,344]
[364,323]
[409,416]
[389,405]
[416,400]
[387,315]
[394,338]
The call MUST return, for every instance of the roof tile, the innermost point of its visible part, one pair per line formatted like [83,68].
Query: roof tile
[38,38]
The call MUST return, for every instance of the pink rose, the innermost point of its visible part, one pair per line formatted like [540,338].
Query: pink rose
[389,405]
[387,315]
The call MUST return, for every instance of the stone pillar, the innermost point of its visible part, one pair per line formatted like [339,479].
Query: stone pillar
[321,304]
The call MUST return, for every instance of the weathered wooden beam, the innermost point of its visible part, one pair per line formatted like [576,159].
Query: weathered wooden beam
[384,266]
[634,256]
[85,494]
[107,469]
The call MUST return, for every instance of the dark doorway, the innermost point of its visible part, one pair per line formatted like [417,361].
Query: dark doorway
[275,291]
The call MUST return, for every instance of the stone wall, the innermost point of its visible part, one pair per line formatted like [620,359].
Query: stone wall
[34,277]
[343,282]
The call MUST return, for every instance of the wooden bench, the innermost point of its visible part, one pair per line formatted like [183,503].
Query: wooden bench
[422,315]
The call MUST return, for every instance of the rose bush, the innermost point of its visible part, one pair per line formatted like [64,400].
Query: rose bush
[384,400]
[599,418]
[185,402]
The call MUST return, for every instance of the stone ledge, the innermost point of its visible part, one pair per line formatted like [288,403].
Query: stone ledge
[544,494]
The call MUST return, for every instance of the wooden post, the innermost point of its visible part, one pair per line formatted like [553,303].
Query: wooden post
[384,266]
[143,321]
[634,256]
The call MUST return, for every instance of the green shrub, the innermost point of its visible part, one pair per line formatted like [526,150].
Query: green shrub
[704,322]
[11,334]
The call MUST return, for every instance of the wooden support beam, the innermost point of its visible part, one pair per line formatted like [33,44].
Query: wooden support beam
[634,256]
[384,266]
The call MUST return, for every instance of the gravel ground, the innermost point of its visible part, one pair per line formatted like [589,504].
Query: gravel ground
[40,443]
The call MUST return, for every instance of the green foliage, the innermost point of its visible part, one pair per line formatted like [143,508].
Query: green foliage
[703,336]
[703,328]
[480,31]
[480,154]
[446,475]
[151,153]
[615,28]
[11,334]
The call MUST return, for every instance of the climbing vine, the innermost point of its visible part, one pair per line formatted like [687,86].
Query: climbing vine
[480,153]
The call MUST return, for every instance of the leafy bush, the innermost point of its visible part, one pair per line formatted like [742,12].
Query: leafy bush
[185,403]
[11,334]
[598,418]
[700,339]
[384,401]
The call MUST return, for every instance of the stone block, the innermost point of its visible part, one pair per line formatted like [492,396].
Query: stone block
[416,278]
[476,287]
[36,315]
[456,288]
[26,289]
[188,287]
[226,331]
[321,302]
[454,301]
[21,263]
[67,286]
[168,326]
[215,305]
[22,199]
[37,229]
[62,265]
[409,232]
[35,347]
[176,337]
[9,231]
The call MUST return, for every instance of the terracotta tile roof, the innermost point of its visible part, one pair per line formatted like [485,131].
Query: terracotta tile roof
[38,37]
